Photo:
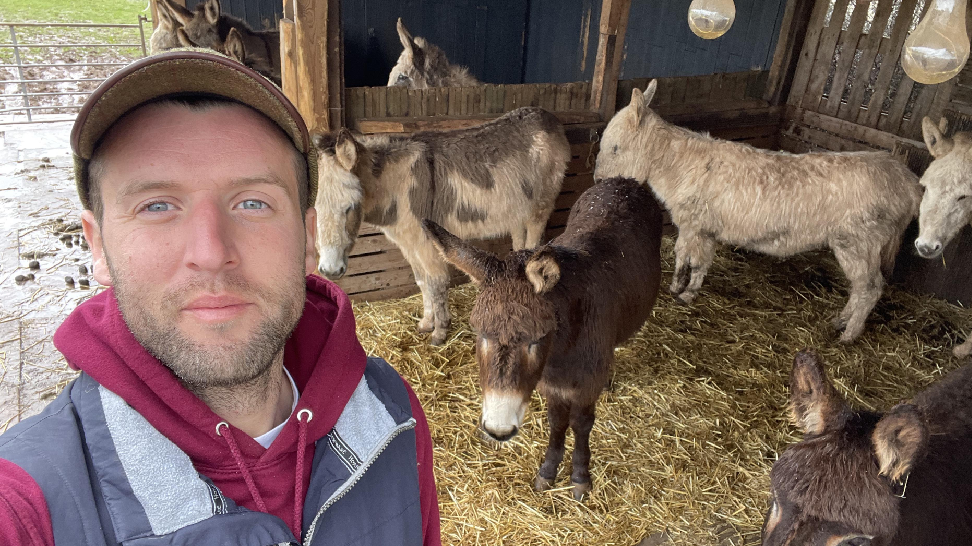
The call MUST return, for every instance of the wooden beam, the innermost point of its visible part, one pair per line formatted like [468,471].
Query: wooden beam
[610,47]
[313,61]
[793,31]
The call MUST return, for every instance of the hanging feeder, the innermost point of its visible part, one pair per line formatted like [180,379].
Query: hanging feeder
[939,46]
[710,19]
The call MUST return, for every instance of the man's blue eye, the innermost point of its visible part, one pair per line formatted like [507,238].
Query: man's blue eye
[157,207]
[253,204]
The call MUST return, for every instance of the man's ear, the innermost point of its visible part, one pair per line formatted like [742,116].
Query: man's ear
[475,262]
[543,271]
[899,439]
[99,261]
[815,405]
[938,144]
[346,149]
[311,258]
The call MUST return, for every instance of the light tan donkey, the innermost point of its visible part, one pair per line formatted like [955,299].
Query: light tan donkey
[422,65]
[500,178]
[857,204]
[947,204]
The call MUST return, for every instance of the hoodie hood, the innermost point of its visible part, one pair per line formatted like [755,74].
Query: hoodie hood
[323,355]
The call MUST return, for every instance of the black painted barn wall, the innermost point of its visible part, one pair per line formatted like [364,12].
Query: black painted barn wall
[539,41]
[260,14]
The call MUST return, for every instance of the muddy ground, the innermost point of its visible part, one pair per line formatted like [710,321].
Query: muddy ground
[39,227]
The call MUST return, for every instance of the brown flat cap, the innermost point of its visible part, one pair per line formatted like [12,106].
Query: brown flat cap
[183,72]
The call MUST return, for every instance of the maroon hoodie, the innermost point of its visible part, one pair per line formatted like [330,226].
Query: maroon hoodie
[324,357]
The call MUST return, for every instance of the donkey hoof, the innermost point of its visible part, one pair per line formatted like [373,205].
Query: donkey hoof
[685,298]
[425,327]
[438,337]
[543,484]
[839,323]
[849,336]
[963,350]
[581,490]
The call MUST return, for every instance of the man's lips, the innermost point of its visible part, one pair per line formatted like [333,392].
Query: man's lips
[216,308]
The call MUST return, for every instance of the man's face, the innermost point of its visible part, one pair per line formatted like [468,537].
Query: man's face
[203,238]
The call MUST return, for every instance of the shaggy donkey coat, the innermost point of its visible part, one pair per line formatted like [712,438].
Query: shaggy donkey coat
[860,478]
[422,65]
[777,203]
[550,318]
[208,27]
[946,206]
[500,178]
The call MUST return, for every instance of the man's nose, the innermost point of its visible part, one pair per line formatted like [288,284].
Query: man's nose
[209,245]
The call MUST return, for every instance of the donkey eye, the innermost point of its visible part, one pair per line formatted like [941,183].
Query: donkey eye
[402,78]
[962,197]
[614,149]
[348,210]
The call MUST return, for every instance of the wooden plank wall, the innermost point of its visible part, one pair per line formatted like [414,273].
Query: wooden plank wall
[729,109]
[849,91]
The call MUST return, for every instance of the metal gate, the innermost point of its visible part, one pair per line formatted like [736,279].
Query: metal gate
[44,88]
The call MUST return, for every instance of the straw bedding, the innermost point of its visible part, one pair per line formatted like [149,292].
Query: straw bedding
[686,436]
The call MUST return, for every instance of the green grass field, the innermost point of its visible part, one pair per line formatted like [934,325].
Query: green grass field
[73,11]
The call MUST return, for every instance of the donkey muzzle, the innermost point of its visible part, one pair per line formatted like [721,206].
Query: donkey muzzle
[928,250]
[502,414]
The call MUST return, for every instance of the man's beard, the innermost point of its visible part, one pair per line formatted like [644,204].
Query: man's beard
[203,366]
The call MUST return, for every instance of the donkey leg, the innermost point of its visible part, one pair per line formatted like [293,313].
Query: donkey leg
[862,265]
[426,323]
[438,281]
[683,270]
[519,236]
[581,422]
[534,233]
[558,418]
[701,254]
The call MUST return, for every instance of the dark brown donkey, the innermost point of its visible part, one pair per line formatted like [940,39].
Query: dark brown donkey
[860,478]
[549,318]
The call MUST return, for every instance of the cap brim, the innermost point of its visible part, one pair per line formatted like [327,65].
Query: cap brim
[184,72]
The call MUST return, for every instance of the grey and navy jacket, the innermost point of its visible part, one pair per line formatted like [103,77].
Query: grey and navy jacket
[109,477]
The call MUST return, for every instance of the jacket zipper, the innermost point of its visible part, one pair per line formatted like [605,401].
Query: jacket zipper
[407,425]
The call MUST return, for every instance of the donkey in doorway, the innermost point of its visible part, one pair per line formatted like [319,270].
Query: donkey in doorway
[946,206]
[422,65]
[550,318]
[861,478]
[500,178]
[208,27]
[858,204]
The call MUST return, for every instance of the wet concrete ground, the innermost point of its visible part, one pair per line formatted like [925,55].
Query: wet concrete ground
[39,221]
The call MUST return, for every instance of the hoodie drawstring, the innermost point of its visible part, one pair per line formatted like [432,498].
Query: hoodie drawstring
[299,479]
[238,457]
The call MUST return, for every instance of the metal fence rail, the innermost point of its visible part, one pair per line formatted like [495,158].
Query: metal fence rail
[32,100]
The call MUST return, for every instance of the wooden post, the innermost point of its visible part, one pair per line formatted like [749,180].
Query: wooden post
[312,58]
[793,30]
[607,65]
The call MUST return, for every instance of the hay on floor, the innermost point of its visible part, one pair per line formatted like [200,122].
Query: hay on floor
[684,441]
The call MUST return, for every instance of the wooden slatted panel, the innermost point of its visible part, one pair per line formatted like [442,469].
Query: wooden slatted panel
[890,52]
[824,57]
[848,42]
[869,46]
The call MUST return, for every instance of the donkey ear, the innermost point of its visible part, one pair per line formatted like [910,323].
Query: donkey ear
[899,439]
[938,144]
[183,38]
[637,105]
[233,46]
[404,36]
[650,91]
[165,17]
[475,262]
[178,12]
[346,149]
[815,405]
[543,271]
[212,11]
